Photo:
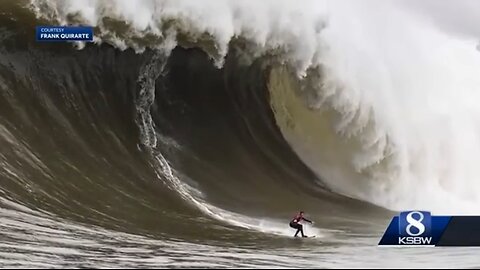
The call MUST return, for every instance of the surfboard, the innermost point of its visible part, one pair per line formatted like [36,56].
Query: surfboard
[310,236]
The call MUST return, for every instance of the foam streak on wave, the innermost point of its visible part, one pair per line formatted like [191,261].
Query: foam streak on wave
[399,89]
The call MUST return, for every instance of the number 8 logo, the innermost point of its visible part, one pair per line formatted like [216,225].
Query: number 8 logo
[417,223]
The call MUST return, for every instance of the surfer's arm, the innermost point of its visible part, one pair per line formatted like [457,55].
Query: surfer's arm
[309,221]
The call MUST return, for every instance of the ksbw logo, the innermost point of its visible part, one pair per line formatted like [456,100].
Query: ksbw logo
[414,228]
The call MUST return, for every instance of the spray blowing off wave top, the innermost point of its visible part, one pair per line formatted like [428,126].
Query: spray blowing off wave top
[381,106]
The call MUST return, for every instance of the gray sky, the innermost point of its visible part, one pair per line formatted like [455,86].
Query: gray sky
[454,16]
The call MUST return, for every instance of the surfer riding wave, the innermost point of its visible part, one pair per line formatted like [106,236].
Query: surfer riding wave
[295,223]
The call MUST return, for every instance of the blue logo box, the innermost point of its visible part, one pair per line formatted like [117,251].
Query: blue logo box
[415,228]
[415,223]
[64,33]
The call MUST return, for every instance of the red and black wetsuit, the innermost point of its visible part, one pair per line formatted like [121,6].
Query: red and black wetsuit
[294,223]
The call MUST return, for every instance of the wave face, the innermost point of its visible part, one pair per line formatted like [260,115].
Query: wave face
[204,126]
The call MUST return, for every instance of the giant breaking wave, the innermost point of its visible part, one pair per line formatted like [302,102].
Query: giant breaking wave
[233,108]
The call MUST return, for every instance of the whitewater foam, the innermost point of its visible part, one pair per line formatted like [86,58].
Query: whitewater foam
[411,89]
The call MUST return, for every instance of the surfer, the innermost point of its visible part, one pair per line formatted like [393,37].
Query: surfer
[295,223]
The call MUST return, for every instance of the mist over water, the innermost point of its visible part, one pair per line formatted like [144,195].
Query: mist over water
[190,132]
